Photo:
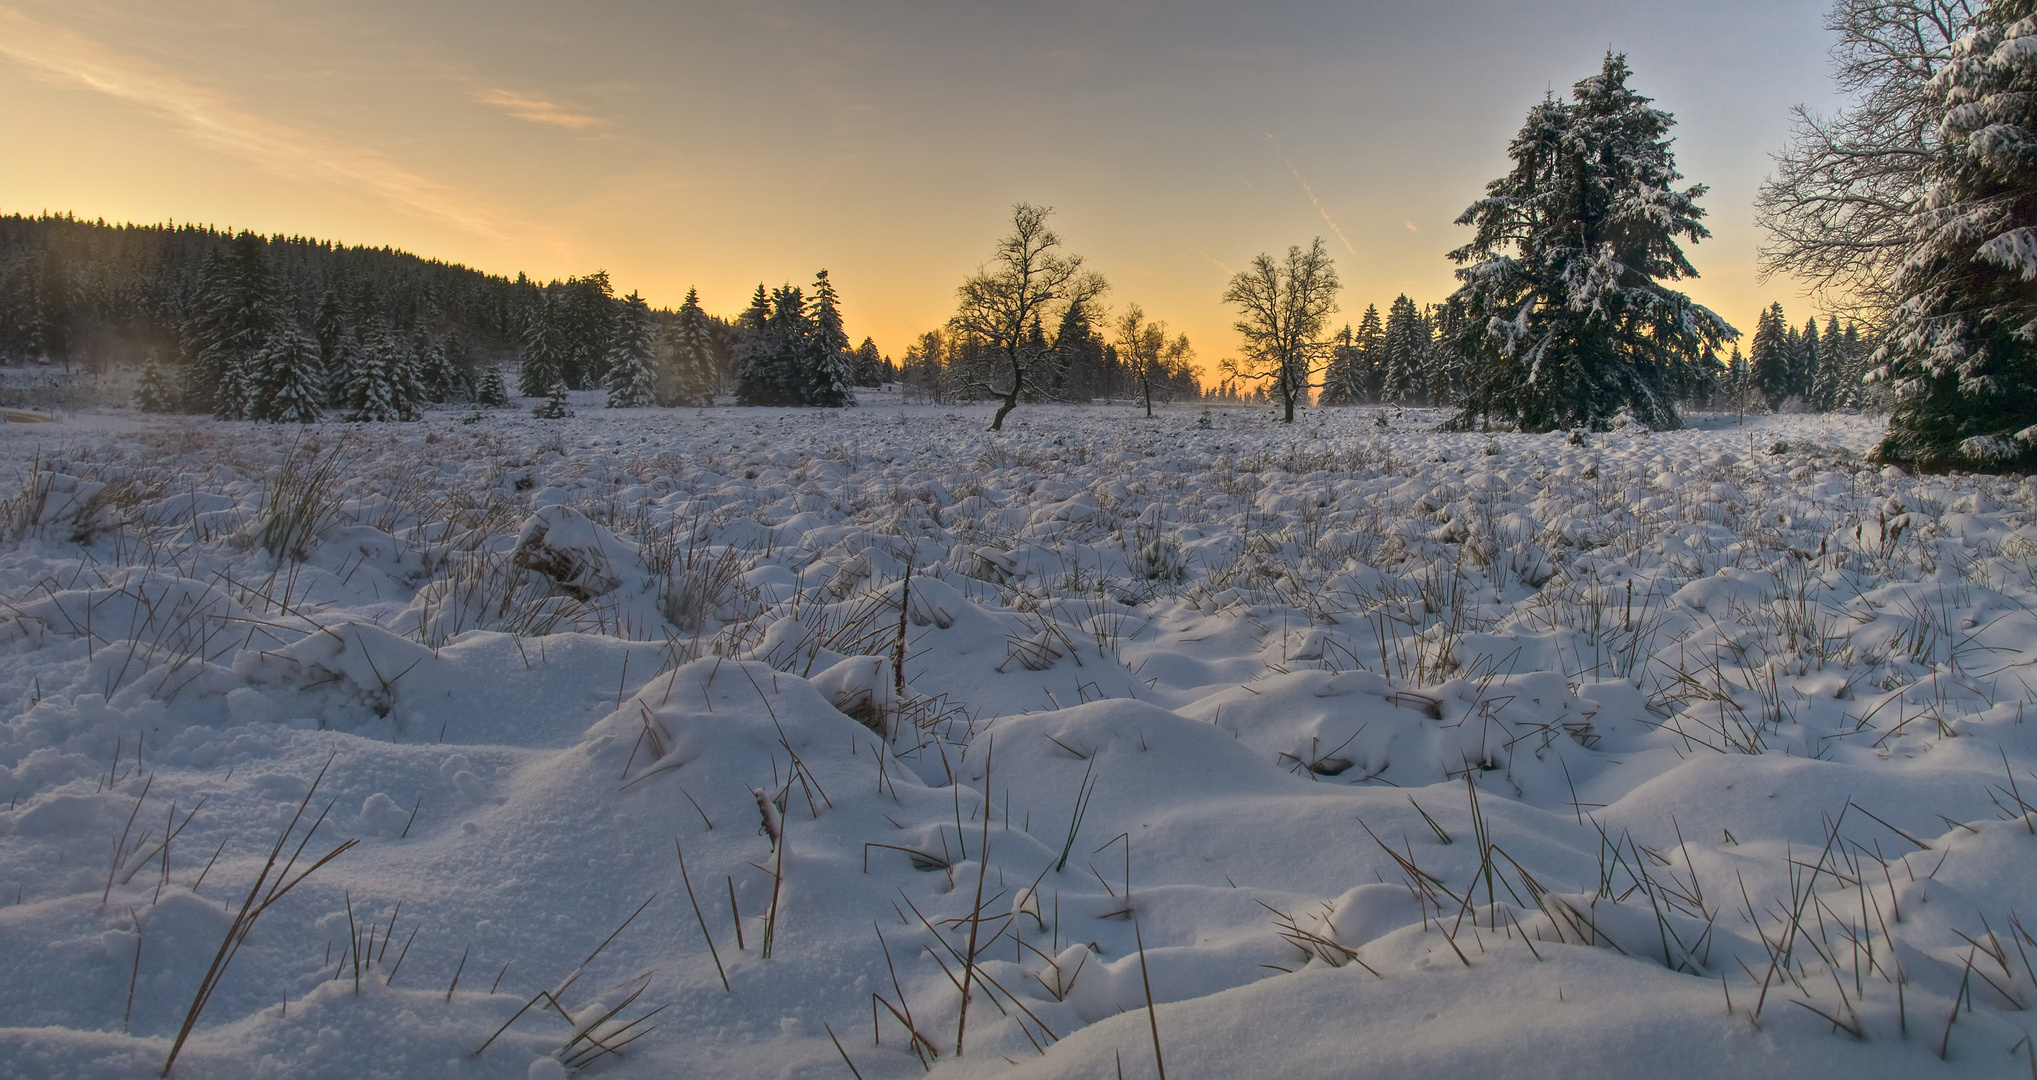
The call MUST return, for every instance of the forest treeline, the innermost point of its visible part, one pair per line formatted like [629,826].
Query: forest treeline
[378,333]
[288,327]
[1912,212]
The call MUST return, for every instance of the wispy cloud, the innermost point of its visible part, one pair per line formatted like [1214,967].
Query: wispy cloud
[64,56]
[1310,192]
[537,110]
[1410,225]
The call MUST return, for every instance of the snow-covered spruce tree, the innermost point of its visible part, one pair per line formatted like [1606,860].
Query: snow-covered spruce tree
[630,382]
[1850,358]
[585,316]
[1961,349]
[686,374]
[410,387]
[1340,375]
[155,392]
[289,383]
[1446,366]
[439,373]
[1820,376]
[1735,386]
[825,360]
[544,346]
[232,315]
[773,370]
[1568,322]
[1768,359]
[1404,354]
[328,322]
[867,365]
[339,371]
[1075,369]
[757,380]
[384,384]
[494,389]
[1368,340]
[554,406]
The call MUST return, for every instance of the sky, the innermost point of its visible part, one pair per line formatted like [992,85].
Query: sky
[719,144]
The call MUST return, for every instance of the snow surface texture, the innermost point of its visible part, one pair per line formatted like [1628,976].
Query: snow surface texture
[1372,751]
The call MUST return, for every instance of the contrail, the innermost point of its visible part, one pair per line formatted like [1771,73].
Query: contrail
[1311,192]
[66,56]
[1220,264]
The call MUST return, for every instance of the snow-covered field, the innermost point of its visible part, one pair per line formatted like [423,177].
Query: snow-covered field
[1349,749]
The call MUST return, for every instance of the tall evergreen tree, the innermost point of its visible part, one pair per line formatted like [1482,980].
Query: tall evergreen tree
[1447,366]
[785,346]
[328,321]
[1076,370]
[1794,352]
[630,383]
[1853,361]
[1768,360]
[440,374]
[758,378]
[339,373]
[586,319]
[289,383]
[1738,389]
[1834,363]
[384,386]
[1340,375]
[232,322]
[1569,322]
[867,365]
[1959,351]
[687,374]
[545,347]
[1404,354]
[825,360]
[1368,363]
[1824,372]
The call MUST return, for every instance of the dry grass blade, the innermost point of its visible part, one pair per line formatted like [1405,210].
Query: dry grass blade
[1152,1015]
[1082,796]
[702,919]
[303,500]
[252,908]
[845,1054]
[552,995]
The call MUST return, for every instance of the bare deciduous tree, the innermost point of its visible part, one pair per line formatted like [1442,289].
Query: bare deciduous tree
[1838,205]
[1283,309]
[1145,348]
[1026,283]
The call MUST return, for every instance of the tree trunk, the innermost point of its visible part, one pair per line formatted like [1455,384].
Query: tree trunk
[1018,383]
